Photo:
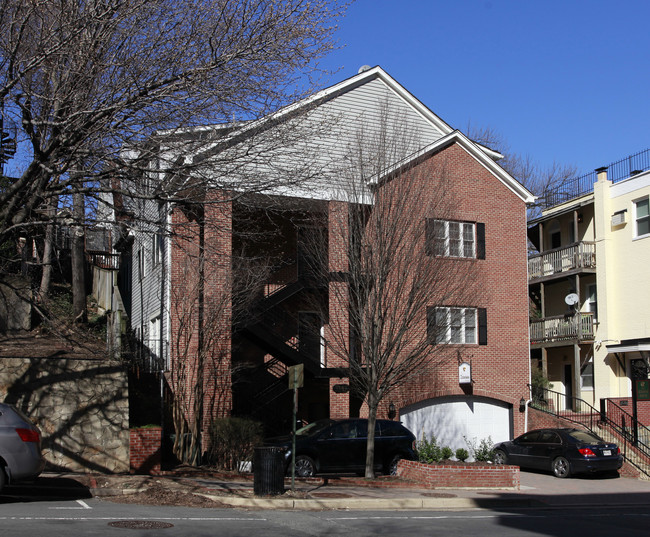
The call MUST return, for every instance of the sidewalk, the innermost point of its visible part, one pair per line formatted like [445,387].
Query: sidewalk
[538,490]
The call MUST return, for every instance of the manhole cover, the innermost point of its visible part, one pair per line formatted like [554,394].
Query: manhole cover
[141,524]
[438,495]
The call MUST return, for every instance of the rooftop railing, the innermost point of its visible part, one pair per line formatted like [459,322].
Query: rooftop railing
[579,186]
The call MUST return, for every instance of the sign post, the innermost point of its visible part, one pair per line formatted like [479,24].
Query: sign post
[296,380]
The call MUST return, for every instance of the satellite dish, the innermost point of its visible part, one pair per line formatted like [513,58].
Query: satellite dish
[363,69]
[571,299]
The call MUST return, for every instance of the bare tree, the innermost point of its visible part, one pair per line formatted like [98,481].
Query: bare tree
[84,79]
[392,276]
[536,178]
[217,286]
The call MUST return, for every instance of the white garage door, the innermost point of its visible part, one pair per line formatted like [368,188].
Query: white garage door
[452,420]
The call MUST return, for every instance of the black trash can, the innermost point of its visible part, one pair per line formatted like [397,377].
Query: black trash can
[268,471]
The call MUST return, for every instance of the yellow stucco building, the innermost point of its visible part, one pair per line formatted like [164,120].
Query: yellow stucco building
[589,282]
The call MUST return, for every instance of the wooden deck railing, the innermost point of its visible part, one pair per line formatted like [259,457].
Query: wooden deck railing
[576,256]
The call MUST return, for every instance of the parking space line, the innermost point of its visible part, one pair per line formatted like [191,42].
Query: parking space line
[82,505]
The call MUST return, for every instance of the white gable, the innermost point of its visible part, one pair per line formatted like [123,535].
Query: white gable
[311,149]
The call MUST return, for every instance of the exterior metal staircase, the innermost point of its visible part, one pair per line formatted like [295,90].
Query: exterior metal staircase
[610,422]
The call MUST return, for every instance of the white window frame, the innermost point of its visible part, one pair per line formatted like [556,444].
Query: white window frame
[453,238]
[157,246]
[456,326]
[643,218]
[592,299]
[590,364]
[142,263]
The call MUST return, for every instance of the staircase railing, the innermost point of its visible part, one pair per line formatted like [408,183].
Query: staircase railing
[633,433]
[573,409]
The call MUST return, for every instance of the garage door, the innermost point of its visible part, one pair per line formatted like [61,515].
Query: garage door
[452,420]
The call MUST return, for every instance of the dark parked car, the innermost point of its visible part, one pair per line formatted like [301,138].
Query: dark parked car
[564,451]
[20,447]
[340,446]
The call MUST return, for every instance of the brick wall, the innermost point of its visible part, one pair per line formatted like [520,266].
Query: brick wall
[497,283]
[642,407]
[145,450]
[201,308]
[541,420]
[337,328]
[458,476]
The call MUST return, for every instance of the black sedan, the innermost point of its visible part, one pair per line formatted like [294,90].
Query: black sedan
[340,446]
[564,451]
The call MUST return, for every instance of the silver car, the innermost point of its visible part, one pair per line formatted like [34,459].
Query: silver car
[20,447]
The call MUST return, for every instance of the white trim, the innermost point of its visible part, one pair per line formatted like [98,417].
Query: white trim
[472,149]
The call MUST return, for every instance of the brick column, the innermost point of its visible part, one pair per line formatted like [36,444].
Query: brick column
[201,306]
[337,332]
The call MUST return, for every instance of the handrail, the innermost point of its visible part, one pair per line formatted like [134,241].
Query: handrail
[631,431]
[558,260]
[561,327]
[578,411]
[572,409]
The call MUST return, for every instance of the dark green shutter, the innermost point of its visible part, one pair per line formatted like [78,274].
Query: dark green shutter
[429,237]
[480,240]
[482,326]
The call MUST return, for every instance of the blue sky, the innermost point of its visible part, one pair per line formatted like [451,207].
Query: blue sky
[560,81]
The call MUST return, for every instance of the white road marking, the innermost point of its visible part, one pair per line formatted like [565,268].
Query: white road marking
[83,505]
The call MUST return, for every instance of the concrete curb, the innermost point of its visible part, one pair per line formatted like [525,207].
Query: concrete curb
[348,504]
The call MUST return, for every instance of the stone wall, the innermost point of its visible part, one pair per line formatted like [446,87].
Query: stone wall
[15,303]
[81,407]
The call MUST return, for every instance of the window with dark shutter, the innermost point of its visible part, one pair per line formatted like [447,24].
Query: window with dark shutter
[448,238]
[456,325]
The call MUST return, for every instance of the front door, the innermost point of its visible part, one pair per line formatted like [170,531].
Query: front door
[568,387]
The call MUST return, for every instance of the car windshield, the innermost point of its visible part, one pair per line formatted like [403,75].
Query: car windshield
[313,428]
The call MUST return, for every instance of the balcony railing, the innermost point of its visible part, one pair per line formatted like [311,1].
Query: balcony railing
[577,256]
[578,327]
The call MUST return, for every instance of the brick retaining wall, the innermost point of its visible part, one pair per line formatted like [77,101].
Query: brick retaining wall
[460,476]
[145,450]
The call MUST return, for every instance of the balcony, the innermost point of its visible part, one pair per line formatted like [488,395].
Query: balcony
[562,329]
[561,261]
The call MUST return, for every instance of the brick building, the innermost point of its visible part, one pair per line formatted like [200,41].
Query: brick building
[230,300]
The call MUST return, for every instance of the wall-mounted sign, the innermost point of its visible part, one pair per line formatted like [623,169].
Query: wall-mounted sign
[341,388]
[464,373]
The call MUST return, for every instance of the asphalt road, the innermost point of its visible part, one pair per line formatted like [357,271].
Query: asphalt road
[63,518]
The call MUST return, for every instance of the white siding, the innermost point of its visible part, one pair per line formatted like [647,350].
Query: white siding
[313,152]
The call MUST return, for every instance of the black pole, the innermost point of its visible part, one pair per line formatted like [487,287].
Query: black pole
[635,422]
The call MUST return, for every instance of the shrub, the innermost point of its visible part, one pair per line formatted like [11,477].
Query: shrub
[446,453]
[462,454]
[484,452]
[428,450]
[232,440]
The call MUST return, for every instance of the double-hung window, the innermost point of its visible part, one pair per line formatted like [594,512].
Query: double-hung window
[450,238]
[457,325]
[642,217]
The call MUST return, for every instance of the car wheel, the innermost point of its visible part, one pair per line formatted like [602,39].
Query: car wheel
[500,457]
[3,478]
[561,467]
[391,469]
[305,466]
